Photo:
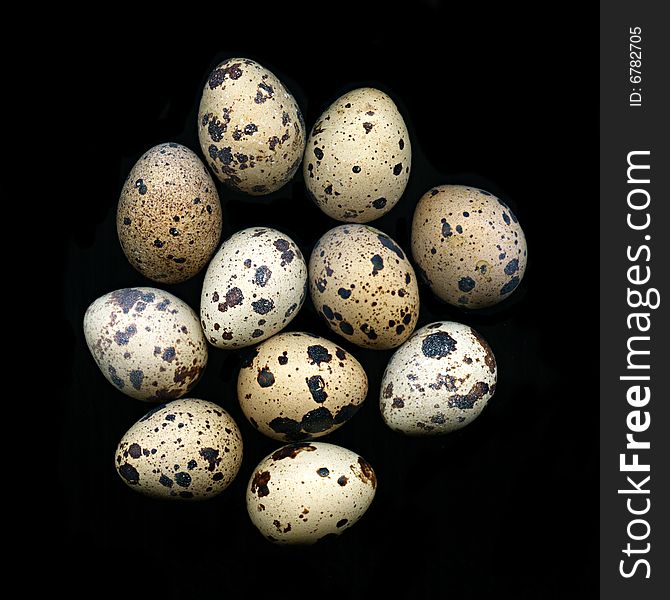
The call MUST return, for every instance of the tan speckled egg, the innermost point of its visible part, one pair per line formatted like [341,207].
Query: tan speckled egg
[358,157]
[169,215]
[300,386]
[250,127]
[364,286]
[254,287]
[147,343]
[307,491]
[468,245]
[187,449]
[438,381]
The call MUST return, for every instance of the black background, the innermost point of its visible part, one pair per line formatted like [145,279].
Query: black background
[507,505]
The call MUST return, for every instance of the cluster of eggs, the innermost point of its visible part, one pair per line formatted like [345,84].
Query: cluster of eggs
[296,387]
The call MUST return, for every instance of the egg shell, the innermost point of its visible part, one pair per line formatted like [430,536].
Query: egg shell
[363,285]
[358,157]
[300,386]
[147,342]
[168,217]
[307,491]
[438,381]
[254,286]
[251,130]
[468,245]
[187,449]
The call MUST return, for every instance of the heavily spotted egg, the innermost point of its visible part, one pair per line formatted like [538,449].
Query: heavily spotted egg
[147,343]
[300,386]
[358,157]
[307,491]
[468,245]
[438,381]
[364,286]
[254,286]
[250,127]
[187,449]
[168,217]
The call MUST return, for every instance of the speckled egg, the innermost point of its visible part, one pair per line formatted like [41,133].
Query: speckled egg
[254,287]
[250,127]
[438,381]
[468,245]
[169,215]
[364,286]
[358,157]
[300,386]
[147,343]
[187,449]
[308,491]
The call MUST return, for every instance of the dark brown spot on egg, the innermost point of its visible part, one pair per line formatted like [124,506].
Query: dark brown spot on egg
[265,377]
[259,484]
[477,392]
[444,380]
[317,420]
[262,306]
[438,345]
[262,275]
[366,474]
[129,473]
[346,328]
[318,354]
[292,450]
[316,387]
[287,254]
[345,413]
[234,297]
[211,455]
[135,450]
[183,373]
[489,358]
